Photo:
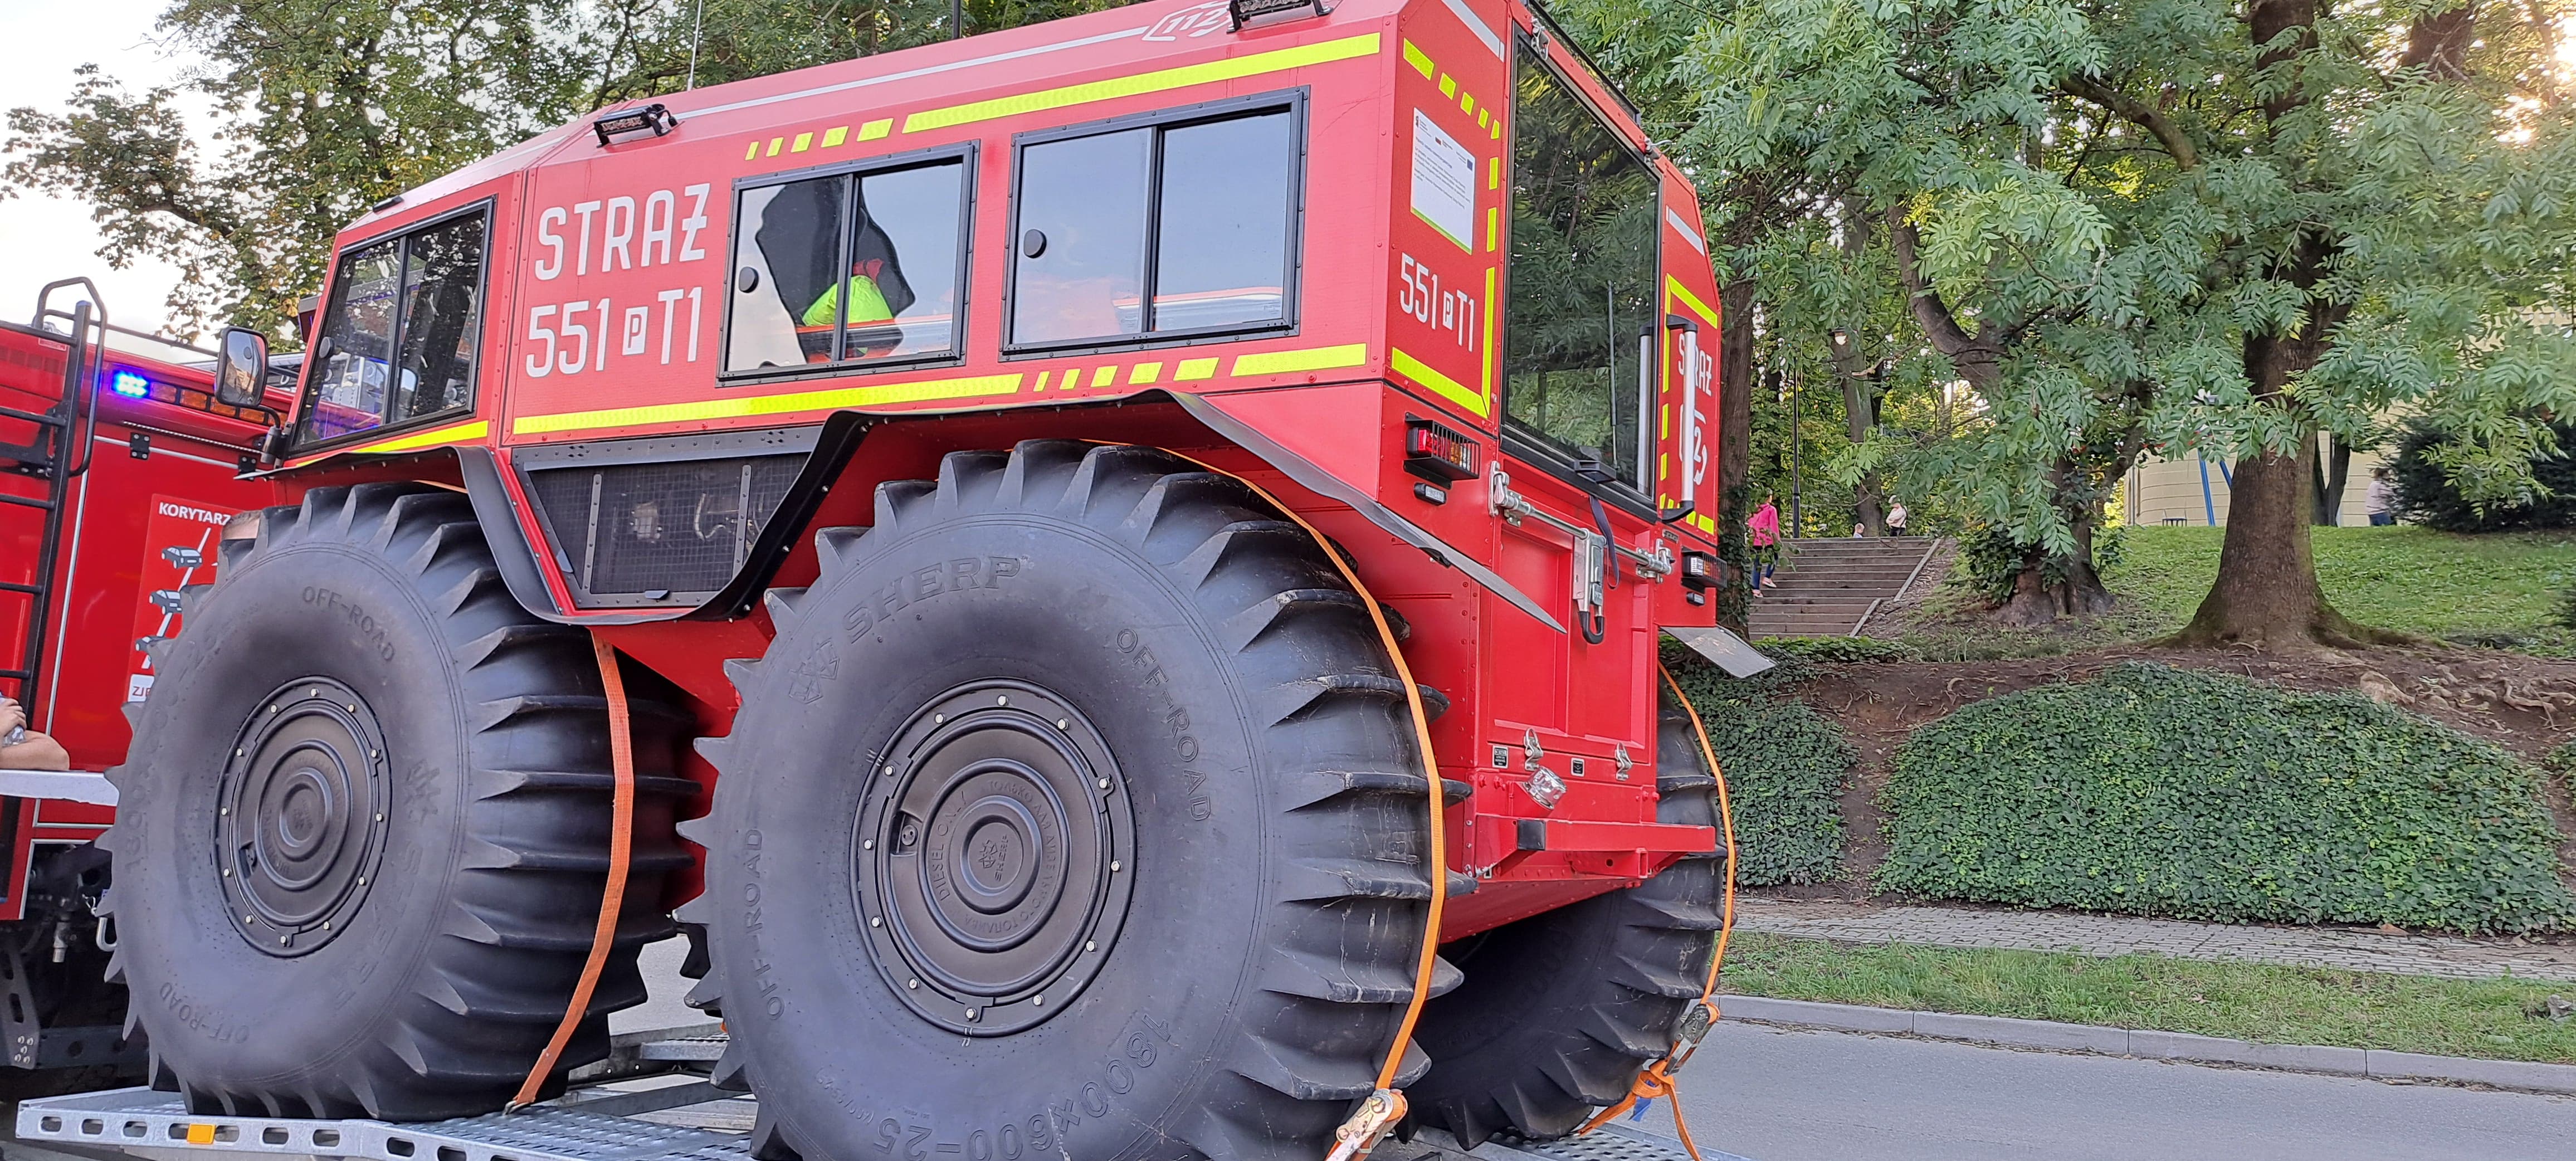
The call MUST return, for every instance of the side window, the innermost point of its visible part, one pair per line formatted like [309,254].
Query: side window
[855,267]
[1159,231]
[398,341]
[1579,319]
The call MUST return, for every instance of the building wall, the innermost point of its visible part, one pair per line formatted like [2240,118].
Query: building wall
[2161,491]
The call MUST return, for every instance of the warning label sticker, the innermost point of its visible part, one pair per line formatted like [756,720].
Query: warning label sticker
[1444,182]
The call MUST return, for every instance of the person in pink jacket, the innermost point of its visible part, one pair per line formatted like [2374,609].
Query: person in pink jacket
[1764,526]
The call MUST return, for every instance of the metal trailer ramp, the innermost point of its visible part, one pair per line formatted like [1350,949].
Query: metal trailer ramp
[156,1125]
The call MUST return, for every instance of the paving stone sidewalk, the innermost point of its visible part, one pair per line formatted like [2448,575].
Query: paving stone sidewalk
[2358,949]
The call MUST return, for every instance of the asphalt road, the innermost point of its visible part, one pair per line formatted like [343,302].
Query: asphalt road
[1776,1095]
[1773,1095]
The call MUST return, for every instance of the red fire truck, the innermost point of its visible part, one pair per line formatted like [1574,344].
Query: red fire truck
[117,468]
[997,535]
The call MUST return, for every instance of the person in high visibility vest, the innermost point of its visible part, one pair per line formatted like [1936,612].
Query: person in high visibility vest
[867,304]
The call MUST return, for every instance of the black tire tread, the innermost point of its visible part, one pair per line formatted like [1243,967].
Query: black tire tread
[1356,904]
[520,921]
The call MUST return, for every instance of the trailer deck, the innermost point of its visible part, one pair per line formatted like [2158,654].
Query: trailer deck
[615,1111]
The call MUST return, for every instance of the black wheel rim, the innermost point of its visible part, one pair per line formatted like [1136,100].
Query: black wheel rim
[300,816]
[993,858]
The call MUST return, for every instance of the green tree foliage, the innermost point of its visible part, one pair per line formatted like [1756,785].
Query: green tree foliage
[2429,495]
[1784,765]
[321,108]
[2170,225]
[2156,791]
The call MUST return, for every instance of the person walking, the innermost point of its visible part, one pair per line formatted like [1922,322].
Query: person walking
[1763,529]
[2379,501]
[1896,518]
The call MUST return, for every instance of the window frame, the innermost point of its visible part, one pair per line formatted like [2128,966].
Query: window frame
[1292,101]
[965,154]
[1519,439]
[308,389]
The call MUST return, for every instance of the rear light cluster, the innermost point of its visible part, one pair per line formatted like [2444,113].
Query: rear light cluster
[1438,455]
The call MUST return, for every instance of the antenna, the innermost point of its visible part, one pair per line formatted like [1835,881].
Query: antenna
[697,26]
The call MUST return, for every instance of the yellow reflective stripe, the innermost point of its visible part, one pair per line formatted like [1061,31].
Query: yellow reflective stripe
[1156,81]
[1145,373]
[1455,391]
[753,152]
[804,141]
[1683,293]
[1485,357]
[1420,60]
[774,143]
[970,387]
[1104,376]
[1448,85]
[1310,359]
[434,437]
[877,128]
[835,135]
[1195,369]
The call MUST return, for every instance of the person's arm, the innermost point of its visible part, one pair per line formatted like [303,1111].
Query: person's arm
[37,752]
[29,750]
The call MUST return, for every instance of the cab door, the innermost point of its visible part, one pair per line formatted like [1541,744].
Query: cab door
[1584,352]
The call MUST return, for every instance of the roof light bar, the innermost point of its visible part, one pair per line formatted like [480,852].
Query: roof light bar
[656,117]
[1246,11]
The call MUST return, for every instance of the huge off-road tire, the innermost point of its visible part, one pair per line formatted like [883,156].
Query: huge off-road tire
[1073,812]
[362,833]
[1560,1011]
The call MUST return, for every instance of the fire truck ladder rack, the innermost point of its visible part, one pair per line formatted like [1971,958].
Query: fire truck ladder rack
[63,435]
[591,1122]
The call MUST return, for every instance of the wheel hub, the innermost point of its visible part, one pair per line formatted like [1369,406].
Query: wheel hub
[300,816]
[994,852]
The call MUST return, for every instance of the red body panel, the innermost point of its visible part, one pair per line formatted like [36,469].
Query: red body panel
[604,319]
[159,475]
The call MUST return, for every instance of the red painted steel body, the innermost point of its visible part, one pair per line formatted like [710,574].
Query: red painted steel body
[159,475]
[604,320]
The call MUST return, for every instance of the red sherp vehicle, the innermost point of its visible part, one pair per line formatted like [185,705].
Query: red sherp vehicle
[1029,510]
[117,468]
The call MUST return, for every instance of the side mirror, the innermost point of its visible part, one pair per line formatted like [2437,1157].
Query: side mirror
[241,367]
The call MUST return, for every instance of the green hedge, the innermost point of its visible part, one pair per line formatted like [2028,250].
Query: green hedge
[2159,791]
[1784,766]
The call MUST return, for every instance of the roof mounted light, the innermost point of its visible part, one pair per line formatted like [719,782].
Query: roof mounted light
[655,117]
[1246,11]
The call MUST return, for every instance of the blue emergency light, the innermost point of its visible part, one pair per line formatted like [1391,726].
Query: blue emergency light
[130,385]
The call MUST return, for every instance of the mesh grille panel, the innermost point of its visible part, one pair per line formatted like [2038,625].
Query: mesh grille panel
[685,527]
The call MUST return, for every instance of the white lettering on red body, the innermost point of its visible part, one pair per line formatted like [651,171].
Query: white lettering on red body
[627,232]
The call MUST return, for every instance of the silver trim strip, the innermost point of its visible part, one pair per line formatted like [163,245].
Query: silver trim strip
[1476,24]
[1688,234]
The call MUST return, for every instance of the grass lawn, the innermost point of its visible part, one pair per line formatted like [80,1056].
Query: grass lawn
[2499,590]
[2277,1005]
[2411,579]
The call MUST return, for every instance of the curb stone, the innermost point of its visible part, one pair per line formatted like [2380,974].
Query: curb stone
[2376,1063]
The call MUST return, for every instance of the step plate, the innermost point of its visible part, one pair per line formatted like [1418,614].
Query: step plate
[140,1118]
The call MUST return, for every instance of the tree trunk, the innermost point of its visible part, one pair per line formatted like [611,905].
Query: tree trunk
[2266,595]
[2336,468]
[2077,591]
[1860,413]
[1735,384]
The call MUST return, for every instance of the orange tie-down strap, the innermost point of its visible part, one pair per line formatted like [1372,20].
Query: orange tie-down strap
[1656,1079]
[621,852]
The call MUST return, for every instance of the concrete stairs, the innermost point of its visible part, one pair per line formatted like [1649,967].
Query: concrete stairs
[1832,586]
